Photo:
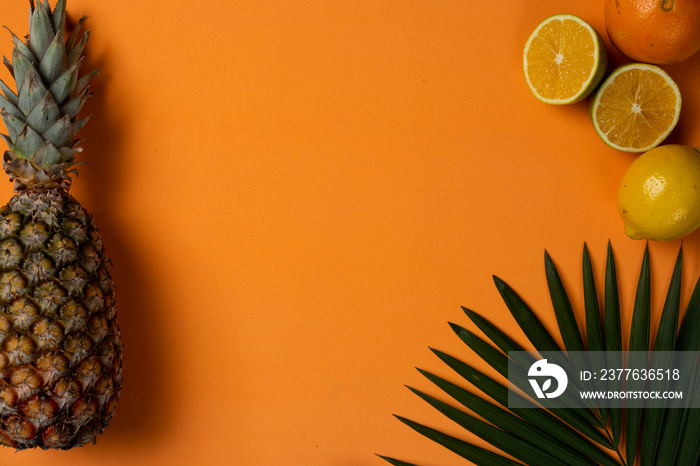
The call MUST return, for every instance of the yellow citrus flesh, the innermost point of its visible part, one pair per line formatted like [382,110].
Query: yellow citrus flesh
[636,107]
[659,196]
[564,59]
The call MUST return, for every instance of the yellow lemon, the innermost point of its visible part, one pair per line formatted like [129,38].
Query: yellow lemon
[659,196]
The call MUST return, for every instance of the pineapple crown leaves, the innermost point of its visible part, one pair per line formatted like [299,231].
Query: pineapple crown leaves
[42,115]
[575,436]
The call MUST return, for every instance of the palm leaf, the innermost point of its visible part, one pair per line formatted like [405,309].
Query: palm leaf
[689,452]
[613,334]
[528,321]
[581,419]
[639,343]
[567,426]
[553,440]
[665,341]
[477,455]
[594,330]
[676,419]
[562,308]
[502,440]
[572,436]
[396,462]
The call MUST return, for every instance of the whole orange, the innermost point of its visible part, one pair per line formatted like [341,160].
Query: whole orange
[654,31]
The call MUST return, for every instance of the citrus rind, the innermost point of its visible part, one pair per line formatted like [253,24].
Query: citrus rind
[659,194]
[597,70]
[600,92]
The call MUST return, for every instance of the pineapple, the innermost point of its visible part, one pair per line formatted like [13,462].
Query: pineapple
[60,345]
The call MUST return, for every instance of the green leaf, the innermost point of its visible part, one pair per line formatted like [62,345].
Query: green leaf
[570,333]
[14,125]
[46,155]
[509,422]
[676,419]
[68,154]
[7,140]
[488,353]
[501,340]
[639,342]
[613,328]
[668,325]
[504,343]
[79,124]
[396,462]
[665,341]
[641,315]
[62,87]
[580,419]
[73,107]
[60,134]
[594,331]
[690,325]
[84,80]
[8,65]
[73,38]
[566,321]
[689,452]
[58,17]
[654,420]
[40,31]
[44,114]
[496,437]
[533,434]
[669,449]
[532,328]
[476,455]
[9,94]
[31,92]
[613,333]
[528,321]
[20,66]
[21,47]
[54,60]
[9,107]
[28,142]
[75,52]
[493,356]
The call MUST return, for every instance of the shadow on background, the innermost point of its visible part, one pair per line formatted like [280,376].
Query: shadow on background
[141,412]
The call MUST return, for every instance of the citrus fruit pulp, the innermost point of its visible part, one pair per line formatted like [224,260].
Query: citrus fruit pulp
[659,195]
[564,59]
[636,107]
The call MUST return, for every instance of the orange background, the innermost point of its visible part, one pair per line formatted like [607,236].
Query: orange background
[299,195]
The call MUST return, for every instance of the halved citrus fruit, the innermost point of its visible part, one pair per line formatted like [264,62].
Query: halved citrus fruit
[564,59]
[636,107]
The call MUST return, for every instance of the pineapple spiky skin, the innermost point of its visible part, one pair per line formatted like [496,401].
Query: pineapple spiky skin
[60,344]
[60,359]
